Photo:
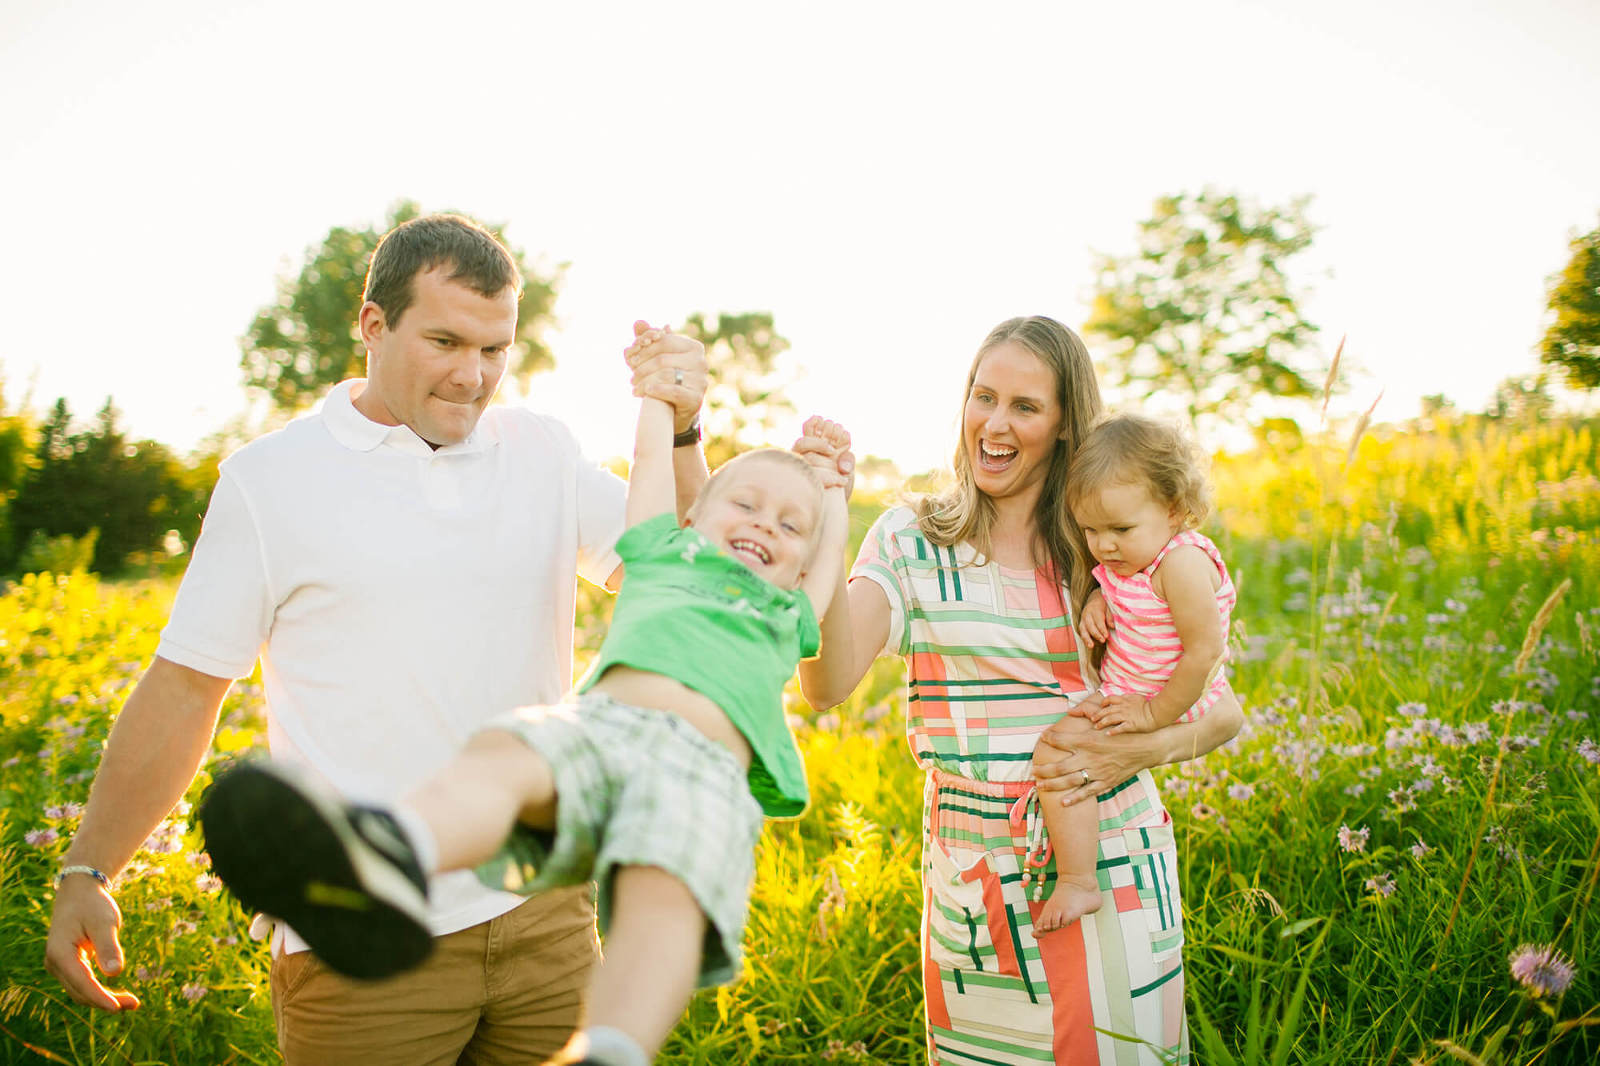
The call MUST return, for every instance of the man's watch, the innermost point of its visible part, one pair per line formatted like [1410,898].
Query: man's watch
[689,436]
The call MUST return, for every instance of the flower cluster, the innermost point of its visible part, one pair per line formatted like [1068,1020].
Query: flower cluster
[1542,970]
[1353,840]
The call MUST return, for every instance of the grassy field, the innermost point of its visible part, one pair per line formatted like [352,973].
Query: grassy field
[1414,803]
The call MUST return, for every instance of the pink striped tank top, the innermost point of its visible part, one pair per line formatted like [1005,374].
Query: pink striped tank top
[1144,648]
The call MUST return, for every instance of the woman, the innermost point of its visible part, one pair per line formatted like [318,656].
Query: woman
[975,588]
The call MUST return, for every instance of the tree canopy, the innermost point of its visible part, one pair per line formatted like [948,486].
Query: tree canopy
[1572,340]
[16,449]
[96,478]
[747,393]
[307,341]
[1204,309]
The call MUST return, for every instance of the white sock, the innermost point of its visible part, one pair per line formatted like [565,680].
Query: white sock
[420,837]
[610,1046]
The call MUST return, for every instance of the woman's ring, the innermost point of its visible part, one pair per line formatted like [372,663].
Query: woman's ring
[677,377]
[1085,774]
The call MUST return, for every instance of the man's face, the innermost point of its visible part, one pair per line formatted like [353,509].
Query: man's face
[437,368]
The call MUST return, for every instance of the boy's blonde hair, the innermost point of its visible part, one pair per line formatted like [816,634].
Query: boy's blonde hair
[771,455]
[1135,449]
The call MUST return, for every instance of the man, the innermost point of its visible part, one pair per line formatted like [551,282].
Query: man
[403,560]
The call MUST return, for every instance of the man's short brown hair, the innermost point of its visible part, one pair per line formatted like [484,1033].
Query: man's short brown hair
[471,254]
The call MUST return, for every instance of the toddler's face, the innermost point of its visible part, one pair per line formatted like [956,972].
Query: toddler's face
[766,516]
[1126,527]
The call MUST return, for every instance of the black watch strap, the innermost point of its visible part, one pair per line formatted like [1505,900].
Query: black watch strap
[688,436]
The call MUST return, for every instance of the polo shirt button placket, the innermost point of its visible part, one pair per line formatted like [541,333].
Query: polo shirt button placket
[439,483]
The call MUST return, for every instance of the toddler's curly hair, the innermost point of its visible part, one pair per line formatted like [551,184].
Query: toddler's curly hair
[1135,449]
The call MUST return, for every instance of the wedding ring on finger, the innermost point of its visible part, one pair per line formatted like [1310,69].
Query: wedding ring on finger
[1085,774]
[677,377]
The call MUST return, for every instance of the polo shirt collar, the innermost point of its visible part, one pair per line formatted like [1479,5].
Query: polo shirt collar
[359,433]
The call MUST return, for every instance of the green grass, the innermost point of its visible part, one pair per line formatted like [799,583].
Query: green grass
[1383,612]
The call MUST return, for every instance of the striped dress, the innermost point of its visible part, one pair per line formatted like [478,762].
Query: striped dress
[991,661]
[1144,647]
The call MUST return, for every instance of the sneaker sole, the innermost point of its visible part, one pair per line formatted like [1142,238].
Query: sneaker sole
[286,851]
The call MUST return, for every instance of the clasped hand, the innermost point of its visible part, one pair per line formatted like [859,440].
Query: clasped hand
[669,367]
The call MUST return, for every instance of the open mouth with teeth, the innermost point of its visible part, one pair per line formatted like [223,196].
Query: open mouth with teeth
[750,550]
[995,456]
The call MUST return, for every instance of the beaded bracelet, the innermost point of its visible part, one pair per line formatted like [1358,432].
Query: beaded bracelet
[67,871]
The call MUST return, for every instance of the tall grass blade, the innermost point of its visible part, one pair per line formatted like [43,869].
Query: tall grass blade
[1530,640]
[1333,373]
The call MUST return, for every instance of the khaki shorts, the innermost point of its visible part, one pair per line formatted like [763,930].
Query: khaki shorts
[637,787]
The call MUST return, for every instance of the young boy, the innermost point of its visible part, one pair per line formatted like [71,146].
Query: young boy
[653,782]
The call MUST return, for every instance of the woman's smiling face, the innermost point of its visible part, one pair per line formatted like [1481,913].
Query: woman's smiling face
[1011,422]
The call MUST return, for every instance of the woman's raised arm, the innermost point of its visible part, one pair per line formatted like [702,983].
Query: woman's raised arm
[854,629]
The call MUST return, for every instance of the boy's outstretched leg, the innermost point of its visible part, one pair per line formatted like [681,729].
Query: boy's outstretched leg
[351,880]
[344,877]
[651,963]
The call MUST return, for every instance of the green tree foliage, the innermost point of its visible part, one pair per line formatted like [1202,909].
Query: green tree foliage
[1204,309]
[747,396]
[16,451]
[307,340]
[132,492]
[1572,340]
[1525,398]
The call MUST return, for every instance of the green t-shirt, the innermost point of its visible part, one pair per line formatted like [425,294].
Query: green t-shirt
[692,612]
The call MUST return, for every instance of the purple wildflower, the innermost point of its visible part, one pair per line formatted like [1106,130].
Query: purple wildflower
[1241,792]
[1413,710]
[1543,971]
[1589,752]
[1381,884]
[1353,840]
[192,993]
[39,838]
[1420,850]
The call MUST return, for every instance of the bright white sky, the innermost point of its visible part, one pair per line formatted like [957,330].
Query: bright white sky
[891,179]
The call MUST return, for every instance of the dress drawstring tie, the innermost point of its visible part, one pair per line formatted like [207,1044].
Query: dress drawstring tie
[1028,822]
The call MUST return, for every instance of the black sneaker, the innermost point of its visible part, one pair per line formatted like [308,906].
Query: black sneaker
[343,877]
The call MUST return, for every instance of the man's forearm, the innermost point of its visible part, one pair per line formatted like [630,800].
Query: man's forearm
[154,749]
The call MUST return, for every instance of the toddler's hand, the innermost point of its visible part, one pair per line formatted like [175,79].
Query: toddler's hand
[1096,621]
[825,445]
[1126,712]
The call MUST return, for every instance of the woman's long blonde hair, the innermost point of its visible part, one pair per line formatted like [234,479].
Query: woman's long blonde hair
[963,514]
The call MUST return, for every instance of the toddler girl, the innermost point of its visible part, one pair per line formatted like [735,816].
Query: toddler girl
[1137,489]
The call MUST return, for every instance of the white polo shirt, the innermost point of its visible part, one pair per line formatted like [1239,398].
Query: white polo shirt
[398,596]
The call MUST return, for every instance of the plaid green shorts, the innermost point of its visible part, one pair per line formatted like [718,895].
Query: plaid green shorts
[637,787]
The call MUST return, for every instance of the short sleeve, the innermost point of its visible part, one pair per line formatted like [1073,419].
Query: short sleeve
[810,632]
[602,509]
[882,562]
[224,607]
[647,537]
